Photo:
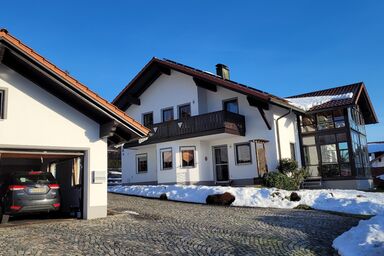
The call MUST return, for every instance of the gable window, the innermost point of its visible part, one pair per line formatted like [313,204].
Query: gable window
[243,153]
[167,114]
[184,111]
[142,163]
[166,159]
[293,151]
[187,157]
[148,119]
[231,105]
[2,104]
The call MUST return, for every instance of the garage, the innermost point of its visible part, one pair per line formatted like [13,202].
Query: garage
[55,129]
[66,168]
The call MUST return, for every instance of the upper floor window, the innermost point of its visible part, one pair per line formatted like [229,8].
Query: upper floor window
[231,105]
[2,104]
[167,114]
[148,119]
[330,119]
[184,111]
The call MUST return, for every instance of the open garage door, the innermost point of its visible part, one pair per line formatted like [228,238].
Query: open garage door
[65,166]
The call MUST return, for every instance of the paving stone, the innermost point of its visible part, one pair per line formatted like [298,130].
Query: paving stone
[170,228]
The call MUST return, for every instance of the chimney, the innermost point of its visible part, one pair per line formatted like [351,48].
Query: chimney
[222,70]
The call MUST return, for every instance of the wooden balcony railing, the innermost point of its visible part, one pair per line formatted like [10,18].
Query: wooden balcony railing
[195,126]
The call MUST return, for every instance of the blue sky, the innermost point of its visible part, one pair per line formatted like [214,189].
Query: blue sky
[282,47]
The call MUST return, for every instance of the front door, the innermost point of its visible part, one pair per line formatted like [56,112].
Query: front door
[221,163]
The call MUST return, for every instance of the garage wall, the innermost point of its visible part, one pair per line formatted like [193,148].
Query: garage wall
[37,119]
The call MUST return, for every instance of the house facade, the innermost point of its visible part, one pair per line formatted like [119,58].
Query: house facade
[207,129]
[51,122]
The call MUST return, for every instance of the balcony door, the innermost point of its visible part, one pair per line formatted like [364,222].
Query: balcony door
[221,163]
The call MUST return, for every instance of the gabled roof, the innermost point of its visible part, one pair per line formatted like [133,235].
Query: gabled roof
[15,54]
[358,93]
[155,67]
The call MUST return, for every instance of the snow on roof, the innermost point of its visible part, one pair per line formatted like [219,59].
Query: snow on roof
[306,103]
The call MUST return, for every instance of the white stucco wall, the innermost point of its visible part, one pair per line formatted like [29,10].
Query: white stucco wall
[37,119]
[182,86]
[167,91]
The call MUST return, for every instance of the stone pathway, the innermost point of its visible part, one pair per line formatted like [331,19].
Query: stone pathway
[139,226]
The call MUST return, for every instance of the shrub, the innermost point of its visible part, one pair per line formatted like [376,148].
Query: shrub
[287,165]
[279,180]
[289,177]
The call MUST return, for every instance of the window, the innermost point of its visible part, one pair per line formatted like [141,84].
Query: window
[185,111]
[324,121]
[148,119]
[293,151]
[166,159]
[2,104]
[167,114]
[187,156]
[338,117]
[243,153]
[231,106]
[308,124]
[142,163]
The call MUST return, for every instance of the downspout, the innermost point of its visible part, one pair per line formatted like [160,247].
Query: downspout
[278,132]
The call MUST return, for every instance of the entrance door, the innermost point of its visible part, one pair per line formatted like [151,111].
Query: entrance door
[221,163]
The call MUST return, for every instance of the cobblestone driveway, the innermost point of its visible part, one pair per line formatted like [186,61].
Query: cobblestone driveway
[169,228]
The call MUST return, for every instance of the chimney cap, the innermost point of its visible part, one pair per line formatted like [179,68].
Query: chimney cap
[221,65]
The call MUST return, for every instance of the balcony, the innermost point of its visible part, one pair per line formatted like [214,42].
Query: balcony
[196,126]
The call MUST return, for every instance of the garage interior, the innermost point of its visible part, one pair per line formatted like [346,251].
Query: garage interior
[65,166]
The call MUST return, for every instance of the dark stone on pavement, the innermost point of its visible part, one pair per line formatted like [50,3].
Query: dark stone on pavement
[220,199]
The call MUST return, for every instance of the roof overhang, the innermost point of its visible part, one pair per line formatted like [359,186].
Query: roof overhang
[156,67]
[39,73]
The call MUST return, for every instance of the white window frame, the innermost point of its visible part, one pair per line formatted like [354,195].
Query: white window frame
[137,163]
[161,159]
[187,148]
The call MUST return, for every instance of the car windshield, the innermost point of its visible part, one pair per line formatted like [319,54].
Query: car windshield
[34,177]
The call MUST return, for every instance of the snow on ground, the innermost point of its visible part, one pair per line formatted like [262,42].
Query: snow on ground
[306,103]
[367,239]
[347,201]
[381,177]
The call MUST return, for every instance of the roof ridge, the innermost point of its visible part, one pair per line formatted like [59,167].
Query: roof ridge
[324,90]
[18,43]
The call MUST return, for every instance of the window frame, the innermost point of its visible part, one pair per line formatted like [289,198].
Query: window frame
[229,100]
[137,163]
[162,150]
[187,148]
[3,103]
[237,153]
[292,147]
[166,109]
[181,106]
[143,118]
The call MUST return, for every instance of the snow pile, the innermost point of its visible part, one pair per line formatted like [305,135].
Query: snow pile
[381,177]
[306,103]
[367,238]
[347,201]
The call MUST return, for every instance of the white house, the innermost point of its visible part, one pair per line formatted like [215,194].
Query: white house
[51,122]
[205,129]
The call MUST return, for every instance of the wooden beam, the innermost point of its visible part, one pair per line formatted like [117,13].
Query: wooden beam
[164,70]
[2,53]
[205,85]
[132,100]
[108,129]
[255,102]
[262,113]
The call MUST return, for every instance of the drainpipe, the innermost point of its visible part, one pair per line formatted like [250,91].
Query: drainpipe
[278,132]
